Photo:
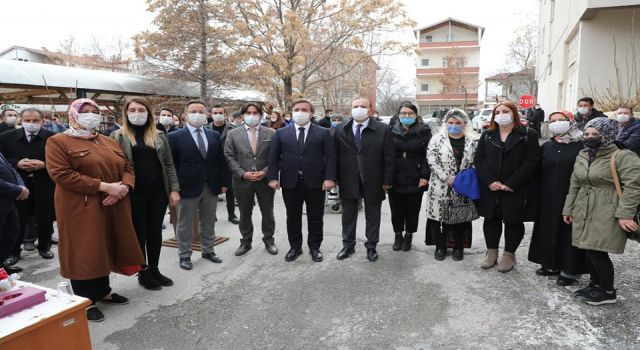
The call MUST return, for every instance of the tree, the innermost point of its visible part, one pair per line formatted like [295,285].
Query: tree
[522,52]
[391,93]
[454,78]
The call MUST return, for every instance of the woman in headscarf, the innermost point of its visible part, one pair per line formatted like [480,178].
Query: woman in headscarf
[93,179]
[599,216]
[551,239]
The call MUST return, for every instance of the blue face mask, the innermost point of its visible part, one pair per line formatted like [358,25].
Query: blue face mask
[454,129]
[407,120]
[334,124]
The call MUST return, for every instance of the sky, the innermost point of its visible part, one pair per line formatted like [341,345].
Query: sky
[41,23]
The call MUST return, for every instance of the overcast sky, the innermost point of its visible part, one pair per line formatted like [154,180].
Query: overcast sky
[41,23]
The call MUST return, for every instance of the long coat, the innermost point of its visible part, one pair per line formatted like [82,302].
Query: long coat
[411,157]
[444,168]
[14,146]
[372,165]
[94,239]
[513,163]
[551,238]
[594,204]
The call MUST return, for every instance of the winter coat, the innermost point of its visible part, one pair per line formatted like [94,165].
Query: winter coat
[629,136]
[444,168]
[593,203]
[411,157]
[514,164]
[582,120]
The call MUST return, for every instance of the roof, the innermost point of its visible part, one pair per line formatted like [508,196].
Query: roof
[507,75]
[459,23]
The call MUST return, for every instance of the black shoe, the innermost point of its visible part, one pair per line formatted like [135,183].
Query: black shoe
[316,255]
[397,242]
[565,281]
[11,269]
[185,263]
[11,260]
[457,254]
[271,248]
[406,242]
[162,279]
[440,254]
[146,279]
[115,299]
[544,272]
[46,254]
[212,257]
[234,220]
[243,249]
[94,314]
[292,254]
[372,255]
[345,253]
[581,293]
[29,246]
[600,297]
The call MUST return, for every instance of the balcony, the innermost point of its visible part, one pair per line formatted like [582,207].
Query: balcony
[448,44]
[447,97]
[440,71]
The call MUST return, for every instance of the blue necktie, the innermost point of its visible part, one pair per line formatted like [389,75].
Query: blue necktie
[358,135]
[201,146]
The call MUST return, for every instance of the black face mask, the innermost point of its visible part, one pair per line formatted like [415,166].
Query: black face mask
[592,142]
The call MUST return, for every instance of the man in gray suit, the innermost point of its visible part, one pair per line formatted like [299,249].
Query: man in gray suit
[247,150]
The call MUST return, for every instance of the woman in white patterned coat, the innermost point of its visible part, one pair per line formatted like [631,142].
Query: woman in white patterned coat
[450,151]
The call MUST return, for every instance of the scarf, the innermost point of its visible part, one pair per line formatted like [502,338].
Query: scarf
[573,134]
[608,128]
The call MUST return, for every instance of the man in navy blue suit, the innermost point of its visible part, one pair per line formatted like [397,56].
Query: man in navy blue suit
[304,157]
[202,172]
[12,188]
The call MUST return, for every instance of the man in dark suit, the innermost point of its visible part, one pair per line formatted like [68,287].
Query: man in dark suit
[11,189]
[219,124]
[302,161]
[24,149]
[366,157]
[202,172]
[8,120]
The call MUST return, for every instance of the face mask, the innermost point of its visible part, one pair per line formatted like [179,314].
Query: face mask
[164,120]
[196,120]
[583,110]
[251,120]
[560,127]
[137,119]
[360,114]
[537,107]
[623,118]
[218,118]
[301,118]
[454,129]
[11,121]
[334,124]
[592,142]
[287,119]
[176,123]
[32,128]
[89,121]
[407,121]
[504,119]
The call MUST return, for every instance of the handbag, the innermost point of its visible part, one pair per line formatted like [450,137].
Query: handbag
[634,236]
[466,184]
[457,209]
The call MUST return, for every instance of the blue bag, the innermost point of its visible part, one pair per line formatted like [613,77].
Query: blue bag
[466,184]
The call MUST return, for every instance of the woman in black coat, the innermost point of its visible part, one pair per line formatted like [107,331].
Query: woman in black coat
[551,239]
[507,158]
[410,139]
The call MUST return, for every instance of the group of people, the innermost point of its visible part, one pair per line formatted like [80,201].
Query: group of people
[112,192]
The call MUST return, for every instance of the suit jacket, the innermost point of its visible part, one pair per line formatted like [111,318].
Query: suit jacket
[10,186]
[194,172]
[372,165]
[14,146]
[240,156]
[316,160]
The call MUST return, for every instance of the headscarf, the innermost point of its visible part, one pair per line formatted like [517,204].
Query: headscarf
[74,109]
[573,134]
[608,128]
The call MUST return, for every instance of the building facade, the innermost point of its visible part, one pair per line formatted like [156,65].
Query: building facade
[448,65]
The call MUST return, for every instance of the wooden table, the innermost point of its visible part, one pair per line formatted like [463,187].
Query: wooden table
[54,324]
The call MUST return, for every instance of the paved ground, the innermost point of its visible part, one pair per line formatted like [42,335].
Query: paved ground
[406,300]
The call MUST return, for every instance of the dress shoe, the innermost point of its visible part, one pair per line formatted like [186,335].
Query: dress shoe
[11,269]
[397,241]
[11,260]
[271,248]
[440,254]
[457,254]
[372,255]
[115,299]
[565,281]
[46,254]
[212,257]
[146,279]
[292,254]
[544,272]
[234,220]
[94,314]
[243,249]
[29,246]
[185,263]
[316,255]
[345,253]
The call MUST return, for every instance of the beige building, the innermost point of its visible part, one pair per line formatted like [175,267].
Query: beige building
[576,50]
[448,65]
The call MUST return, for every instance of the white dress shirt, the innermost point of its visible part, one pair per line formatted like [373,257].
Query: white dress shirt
[354,127]
[248,128]
[194,134]
[306,130]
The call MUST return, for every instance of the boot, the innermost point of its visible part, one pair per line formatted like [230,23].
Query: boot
[506,262]
[146,279]
[397,242]
[162,279]
[406,242]
[490,258]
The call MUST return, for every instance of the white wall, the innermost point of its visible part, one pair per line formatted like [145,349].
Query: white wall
[23,55]
[442,34]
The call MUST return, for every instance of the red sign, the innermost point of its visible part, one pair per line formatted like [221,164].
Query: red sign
[527,101]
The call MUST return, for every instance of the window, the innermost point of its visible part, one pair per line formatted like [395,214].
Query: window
[424,87]
[445,62]
[425,62]
[428,38]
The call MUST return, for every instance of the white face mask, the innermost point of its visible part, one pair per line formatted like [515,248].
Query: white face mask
[360,114]
[176,123]
[218,118]
[89,121]
[300,118]
[32,128]
[11,121]
[560,127]
[196,120]
[137,119]
[165,120]
[583,110]
[623,118]
[251,120]
[504,119]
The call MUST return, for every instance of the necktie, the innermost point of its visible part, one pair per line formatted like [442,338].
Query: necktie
[201,146]
[301,138]
[253,139]
[358,135]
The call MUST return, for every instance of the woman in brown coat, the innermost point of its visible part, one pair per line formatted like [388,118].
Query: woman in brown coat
[96,233]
